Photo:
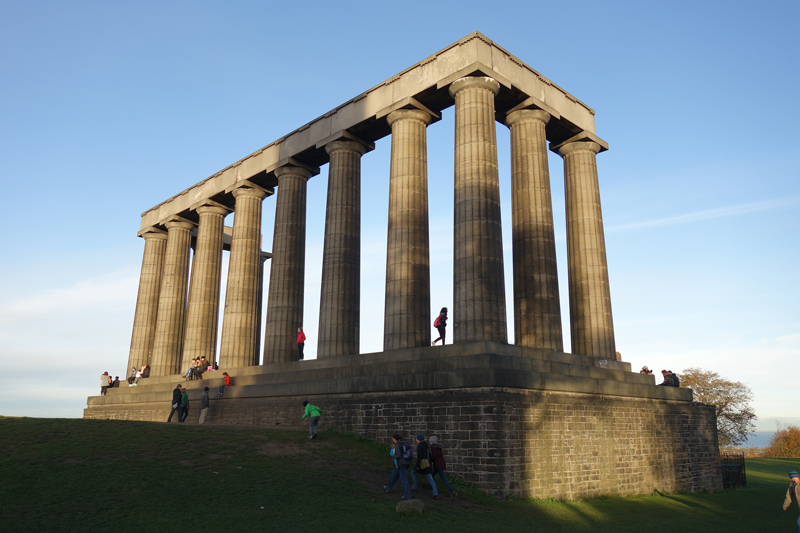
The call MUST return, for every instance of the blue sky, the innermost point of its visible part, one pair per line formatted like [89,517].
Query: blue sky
[108,108]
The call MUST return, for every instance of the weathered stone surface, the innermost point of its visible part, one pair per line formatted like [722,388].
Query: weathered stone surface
[340,293]
[537,307]
[407,312]
[238,343]
[591,323]
[144,320]
[534,424]
[168,342]
[202,312]
[287,273]
[410,506]
[479,296]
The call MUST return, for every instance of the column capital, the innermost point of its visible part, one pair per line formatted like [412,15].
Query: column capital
[246,191]
[289,170]
[527,114]
[155,234]
[213,209]
[179,224]
[483,82]
[349,146]
[582,146]
[584,137]
[409,114]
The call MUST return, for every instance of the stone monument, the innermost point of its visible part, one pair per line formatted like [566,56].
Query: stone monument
[524,419]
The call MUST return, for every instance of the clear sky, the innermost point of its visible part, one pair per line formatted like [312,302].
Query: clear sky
[108,108]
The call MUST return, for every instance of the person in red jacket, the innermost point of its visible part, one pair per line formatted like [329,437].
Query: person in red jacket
[301,343]
[439,466]
[226,382]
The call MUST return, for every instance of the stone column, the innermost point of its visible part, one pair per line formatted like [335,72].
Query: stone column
[172,301]
[479,306]
[537,309]
[202,314]
[144,320]
[239,320]
[286,279]
[340,297]
[407,313]
[591,324]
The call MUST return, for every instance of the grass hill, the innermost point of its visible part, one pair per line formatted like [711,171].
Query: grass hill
[91,475]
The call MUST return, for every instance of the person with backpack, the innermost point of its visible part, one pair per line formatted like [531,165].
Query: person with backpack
[315,413]
[441,324]
[439,465]
[402,455]
[424,465]
[676,382]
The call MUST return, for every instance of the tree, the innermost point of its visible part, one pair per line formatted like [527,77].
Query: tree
[784,443]
[732,401]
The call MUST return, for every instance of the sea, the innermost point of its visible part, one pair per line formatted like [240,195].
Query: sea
[759,440]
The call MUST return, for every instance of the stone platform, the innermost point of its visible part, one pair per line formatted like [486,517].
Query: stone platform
[513,420]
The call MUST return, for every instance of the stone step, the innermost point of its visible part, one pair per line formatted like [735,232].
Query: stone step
[409,373]
[398,363]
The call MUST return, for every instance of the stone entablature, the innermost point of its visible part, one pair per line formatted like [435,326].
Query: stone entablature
[423,86]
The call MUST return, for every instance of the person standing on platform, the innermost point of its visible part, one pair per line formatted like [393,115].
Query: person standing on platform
[204,405]
[439,465]
[441,324]
[423,466]
[184,413]
[301,343]
[176,403]
[793,494]
[105,381]
[314,412]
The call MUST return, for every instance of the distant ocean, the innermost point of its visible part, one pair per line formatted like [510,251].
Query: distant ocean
[760,440]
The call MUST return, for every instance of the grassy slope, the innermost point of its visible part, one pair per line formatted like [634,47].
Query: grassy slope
[84,475]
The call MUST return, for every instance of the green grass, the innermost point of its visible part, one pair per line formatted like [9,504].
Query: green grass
[89,475]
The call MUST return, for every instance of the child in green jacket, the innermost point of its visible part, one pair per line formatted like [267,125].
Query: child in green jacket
[314,412]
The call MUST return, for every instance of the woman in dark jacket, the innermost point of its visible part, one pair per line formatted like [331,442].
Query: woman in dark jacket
[423,452]
[439,466]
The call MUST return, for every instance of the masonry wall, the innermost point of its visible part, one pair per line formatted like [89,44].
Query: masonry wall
[509,441]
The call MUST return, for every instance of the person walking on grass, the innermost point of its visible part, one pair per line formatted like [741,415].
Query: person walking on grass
[441,324]
[176,403]
[423,466]
[301,343]
[184,405]
[793,494]
[402,455]
[314,412]
[204,405]
[439,465]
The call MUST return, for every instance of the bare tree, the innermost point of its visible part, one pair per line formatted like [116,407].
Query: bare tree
[732,400]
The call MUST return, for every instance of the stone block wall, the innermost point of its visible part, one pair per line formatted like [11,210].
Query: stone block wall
[509,442]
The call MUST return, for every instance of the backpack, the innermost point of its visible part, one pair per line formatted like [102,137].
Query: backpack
[675,381]
[408,453]
[438,321]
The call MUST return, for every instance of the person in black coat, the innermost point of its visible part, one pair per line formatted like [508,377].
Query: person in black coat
[423,465]
[176,403]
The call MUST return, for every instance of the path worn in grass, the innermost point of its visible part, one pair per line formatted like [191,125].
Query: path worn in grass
[86,475]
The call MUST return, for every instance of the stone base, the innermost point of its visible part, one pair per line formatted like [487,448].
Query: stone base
[513,420]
